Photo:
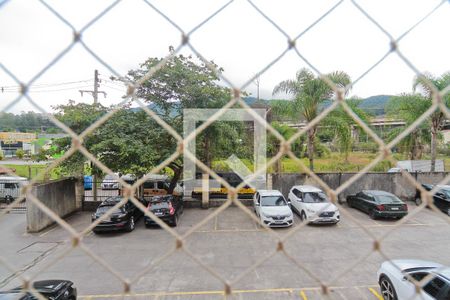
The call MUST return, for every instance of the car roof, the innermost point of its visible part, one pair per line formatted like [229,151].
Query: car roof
[111,200]
[269,192]
[307,188]
[378,193]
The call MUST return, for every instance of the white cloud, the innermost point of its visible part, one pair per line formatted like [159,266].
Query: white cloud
[238,39]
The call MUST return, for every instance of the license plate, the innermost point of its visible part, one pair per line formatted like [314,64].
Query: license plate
[158,214]
[394,208]
[279,221]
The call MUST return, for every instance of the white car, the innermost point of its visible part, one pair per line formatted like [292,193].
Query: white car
[110,182]
[272,208]
[312,205]
[396,280]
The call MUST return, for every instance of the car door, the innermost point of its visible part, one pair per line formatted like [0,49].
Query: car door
[358,200]
[256,204]
[439,200]
[368,203]
[295,198]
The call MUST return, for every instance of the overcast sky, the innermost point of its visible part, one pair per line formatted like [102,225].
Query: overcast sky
[238,39]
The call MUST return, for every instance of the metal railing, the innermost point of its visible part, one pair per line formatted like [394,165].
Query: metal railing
[384,152]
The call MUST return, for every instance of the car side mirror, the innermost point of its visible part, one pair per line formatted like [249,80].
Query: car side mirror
[300,200]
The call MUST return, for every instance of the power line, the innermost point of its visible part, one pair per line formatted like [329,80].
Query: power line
[43,85]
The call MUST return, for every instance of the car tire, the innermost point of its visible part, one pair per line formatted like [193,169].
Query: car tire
[303,216]
[175,221]
[372,215]
[9,199]
[131,224]
[448,211]
[350,204]
[387,289]
[418,201]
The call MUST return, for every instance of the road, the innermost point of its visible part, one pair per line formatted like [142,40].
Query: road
[228,245]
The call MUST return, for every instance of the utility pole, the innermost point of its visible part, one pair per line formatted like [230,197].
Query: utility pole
[95,92]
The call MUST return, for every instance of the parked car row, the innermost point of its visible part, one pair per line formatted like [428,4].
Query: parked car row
[441,199]
[167,207]
[312,205]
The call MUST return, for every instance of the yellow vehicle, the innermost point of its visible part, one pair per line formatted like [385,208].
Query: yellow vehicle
[232,178]
[158,185]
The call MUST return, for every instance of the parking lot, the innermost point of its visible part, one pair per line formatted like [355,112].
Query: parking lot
[229,244]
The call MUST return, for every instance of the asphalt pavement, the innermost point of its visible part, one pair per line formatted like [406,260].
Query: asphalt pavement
[227,247]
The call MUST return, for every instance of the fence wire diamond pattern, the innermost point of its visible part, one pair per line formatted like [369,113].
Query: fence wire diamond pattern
[75,238]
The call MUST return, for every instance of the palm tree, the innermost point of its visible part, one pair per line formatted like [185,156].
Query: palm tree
[308,92]
[438,117]
[340,122]
[409,107]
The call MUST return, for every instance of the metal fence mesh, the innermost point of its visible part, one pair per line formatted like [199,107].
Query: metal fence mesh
[76,238]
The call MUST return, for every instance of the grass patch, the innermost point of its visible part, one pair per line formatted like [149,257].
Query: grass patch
[35,171]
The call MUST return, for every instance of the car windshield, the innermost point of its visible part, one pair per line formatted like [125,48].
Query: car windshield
[110,177]
[273,201]
[316,197]
[159,204]
[104,208]
[446,192]
[386,199]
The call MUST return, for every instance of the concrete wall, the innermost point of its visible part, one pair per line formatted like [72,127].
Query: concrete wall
[59,196]
[394,183]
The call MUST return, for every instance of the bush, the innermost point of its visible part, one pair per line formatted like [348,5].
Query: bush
[20,153]
[370,147]
[1,155]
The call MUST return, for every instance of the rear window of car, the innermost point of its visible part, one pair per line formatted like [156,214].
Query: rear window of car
[158,205]
[148,185]
[104,208]
[386,199]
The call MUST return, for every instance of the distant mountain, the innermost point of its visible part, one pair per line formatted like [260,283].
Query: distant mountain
[374,105]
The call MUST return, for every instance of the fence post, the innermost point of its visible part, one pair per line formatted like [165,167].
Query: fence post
[205,191]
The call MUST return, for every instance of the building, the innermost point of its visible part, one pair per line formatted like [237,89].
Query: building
[10,142]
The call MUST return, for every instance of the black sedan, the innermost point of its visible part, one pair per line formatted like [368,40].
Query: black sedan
[168,208]
[123,218]
[378,204]
[441,199]
[50,289]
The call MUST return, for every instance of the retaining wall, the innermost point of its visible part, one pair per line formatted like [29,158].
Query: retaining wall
[58,196]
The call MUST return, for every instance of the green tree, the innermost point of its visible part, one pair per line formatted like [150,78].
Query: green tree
[185,82]
[1,155]
[409,107]
[78,117]
[308,93]
[274,144]
[20,153]
[438,117]
[342,124]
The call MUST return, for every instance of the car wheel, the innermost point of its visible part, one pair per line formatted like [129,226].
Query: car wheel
[418,201]
[9,199]
[175,221]
[387,289]
[448,211]
[303,216]
[372,215]
[131,224]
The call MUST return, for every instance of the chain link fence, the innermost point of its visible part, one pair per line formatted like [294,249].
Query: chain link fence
[179,240]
